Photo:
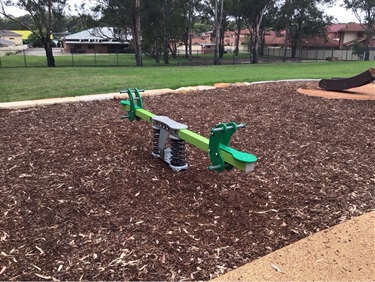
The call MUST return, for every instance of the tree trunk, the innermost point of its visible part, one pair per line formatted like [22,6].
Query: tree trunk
[157,55]
[165,35]
[254,45]
[47,44]
[367,50]
[286,42]
[136,29]
[173,49]
[190,39]
[262,43]
[217,34]
[221,53]
[255,48]
[236,50]
[294,50]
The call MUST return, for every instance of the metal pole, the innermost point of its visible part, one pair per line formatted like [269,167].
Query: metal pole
[24,58]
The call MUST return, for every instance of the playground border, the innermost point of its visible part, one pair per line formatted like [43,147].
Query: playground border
[110,96]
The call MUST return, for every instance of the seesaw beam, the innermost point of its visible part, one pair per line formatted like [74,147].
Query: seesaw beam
[238,159]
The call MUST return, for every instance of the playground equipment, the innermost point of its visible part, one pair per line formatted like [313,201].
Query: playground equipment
[221,154]
[339,84]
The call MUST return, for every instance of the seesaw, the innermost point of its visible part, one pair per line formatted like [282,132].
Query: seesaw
[339,84]
[222,156]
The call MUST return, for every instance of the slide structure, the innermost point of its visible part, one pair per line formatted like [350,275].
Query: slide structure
[340,84]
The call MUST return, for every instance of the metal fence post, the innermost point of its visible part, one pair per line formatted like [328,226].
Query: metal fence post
[24,58]
[72,59]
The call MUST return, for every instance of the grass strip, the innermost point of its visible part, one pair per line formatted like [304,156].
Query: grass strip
[17,84]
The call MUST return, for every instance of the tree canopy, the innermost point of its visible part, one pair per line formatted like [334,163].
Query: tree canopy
[45,15]
[156,26]
[364,10]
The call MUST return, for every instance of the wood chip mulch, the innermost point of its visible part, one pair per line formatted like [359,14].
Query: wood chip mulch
[83,199]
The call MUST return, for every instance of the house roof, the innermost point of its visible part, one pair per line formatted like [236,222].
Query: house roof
[361,39]
[351,27]
[335,27]
[200,41]
[273,39]
[4,42]
[97,33]
[320,42]
[5,32]
[24,33]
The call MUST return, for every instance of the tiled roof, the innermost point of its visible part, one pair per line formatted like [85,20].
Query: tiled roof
[351,27]
[335,27]
[320,42]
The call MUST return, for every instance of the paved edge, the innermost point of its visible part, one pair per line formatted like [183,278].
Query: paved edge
[155,92]
[344,252]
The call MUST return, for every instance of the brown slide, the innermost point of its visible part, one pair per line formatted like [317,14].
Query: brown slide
[339,84]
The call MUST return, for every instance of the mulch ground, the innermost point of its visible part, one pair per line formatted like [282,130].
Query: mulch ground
[83,199]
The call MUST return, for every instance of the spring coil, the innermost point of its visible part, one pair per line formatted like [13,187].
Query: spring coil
[155,140]
[178,152]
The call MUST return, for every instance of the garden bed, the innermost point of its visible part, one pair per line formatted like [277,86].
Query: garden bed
[83,199]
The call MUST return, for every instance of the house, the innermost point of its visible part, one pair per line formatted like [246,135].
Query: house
[24,33]
[274,38]
[350,33]
[96,40]
[6,43]
[11,36]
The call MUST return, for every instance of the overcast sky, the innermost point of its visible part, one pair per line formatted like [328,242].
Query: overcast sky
[342,15]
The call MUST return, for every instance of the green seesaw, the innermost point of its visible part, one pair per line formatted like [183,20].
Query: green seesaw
[222,156]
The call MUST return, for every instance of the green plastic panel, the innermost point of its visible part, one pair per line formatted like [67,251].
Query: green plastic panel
[141,113]
[241,160]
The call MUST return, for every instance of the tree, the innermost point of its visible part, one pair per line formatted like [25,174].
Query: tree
[364,10]
[254,11]
[164,25]
[191,14]
[125,15]
[6,23]
[152,32]
[74,24]
[359,50]
[236,11]
[214,9]
[301,19]
[45,15]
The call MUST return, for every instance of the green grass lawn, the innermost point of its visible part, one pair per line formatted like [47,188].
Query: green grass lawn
[17,84]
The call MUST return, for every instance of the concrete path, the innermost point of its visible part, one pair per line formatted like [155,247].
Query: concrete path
[345,252]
